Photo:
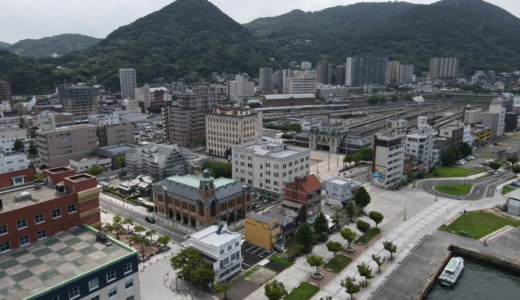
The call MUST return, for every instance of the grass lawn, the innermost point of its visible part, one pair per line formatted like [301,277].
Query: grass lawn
[280,260]
[338,263]
[507,189]
[293,249]
[442,171]
[304,291]
[367,237]
[479,224]
[454,189]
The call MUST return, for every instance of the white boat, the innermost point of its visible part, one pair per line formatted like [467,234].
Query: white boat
[452,271]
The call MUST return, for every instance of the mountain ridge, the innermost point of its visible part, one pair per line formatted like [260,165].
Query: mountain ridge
[47,46]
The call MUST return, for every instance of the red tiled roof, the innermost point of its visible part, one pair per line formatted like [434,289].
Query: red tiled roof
[310,185]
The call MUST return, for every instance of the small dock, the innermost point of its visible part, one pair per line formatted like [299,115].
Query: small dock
[419,270]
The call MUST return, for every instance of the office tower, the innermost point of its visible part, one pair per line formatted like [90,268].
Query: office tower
[405,75]
[444,68]
[241,89]
[265,78]
[361,71]
[79,100]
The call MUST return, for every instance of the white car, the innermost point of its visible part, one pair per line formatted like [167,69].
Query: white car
[496,174]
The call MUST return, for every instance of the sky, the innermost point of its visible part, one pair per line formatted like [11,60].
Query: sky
[34,19]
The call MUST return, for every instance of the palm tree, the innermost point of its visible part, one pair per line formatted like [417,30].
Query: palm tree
[150,234]
[128,221]
[139,229]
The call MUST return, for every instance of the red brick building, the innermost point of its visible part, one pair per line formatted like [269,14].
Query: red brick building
[304,190]
[18,177]
[34,213]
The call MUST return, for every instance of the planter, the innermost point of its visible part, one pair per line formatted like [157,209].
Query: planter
[350,249]
[317,275]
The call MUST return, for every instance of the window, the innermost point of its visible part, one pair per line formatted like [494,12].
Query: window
[74,293]
[56,213]
[93,284]
[95,298]
[130,298]
[17,180]
[111,275]
[55,298]
[39,218]
[127,268]
[71,208]
[129,284]
[41,234]
[3,229]
[112,292]
[21,224]
[24,240]
[4,247]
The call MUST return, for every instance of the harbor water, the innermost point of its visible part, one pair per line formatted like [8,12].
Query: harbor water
[480,280]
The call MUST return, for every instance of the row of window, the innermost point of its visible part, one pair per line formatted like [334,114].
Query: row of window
[38,219]
[24,240]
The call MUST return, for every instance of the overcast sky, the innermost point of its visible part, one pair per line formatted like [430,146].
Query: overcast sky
[22,19]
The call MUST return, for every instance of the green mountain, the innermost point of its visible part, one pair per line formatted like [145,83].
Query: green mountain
[4,45]
[481,35]
[59,44]
[187,35]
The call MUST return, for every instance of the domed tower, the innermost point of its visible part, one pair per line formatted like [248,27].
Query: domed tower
[206,186]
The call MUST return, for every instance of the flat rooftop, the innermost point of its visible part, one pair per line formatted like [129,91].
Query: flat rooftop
[209,236]
[261,150]
[27,271]
[18,198]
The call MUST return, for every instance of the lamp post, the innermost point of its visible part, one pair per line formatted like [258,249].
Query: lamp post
[436,195]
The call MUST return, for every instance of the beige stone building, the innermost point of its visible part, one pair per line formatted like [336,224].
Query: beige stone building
[116,134]
[230,126]
[56,147]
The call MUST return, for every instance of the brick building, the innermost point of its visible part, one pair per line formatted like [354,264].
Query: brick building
[36,212]
[304,190]
[200,202]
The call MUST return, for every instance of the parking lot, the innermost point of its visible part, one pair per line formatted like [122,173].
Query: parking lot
[252,255]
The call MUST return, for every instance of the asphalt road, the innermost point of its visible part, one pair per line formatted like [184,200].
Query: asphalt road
[161,228]
[484,187]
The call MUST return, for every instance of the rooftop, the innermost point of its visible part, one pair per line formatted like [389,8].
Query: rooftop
[287,96]
[26,271]
[275,151]
[22,197]
[210,236]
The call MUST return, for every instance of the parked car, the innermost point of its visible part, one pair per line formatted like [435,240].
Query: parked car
[515,183]
[460,161]
[470,158]
[496,174]
[141,200]
[149,219]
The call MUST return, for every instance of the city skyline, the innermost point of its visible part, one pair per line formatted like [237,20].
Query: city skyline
[99,18]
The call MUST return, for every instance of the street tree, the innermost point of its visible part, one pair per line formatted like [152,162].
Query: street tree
[121,161]
[367,153]
[274,290]
[348,159]
[364,227]
[352,210]
[379,261]
[315,261]
[334,247]
[494,165]
[390,247]
[513,159]
[357,157]
[304,237]
[18,145]
[336,219]
[361,197]
[365,271]
[163,240]
[222,287]
[321,225]
[139,229]
[191,267]
[515,169]
[150,233]
[465,149]
[350,285]
[128,221]
[349,235]
[32,152]
[375,216]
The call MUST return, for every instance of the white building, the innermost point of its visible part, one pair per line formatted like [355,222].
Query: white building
[131,105]
[14,162]
[265,165]
[339,190]
[467,137]
[389,151]
[230,126]
[420,144]
[84,164]
[498,109]
[221,248]
[241,89]
[143,95]
[9,136]
[302,82]
[128,81]
[103,120]
[472,116]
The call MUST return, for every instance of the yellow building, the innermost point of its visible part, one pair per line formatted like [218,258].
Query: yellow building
[262,231]
[481,134]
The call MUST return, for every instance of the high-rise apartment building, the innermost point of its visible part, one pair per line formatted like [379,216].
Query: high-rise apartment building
[497,108]
[281,80]
[302,82]
[78,100]
[405,75]
[241,89]
[419,144]
[57,146]
[5,91]
[444,68]
[128,82]
[366,70]
[340,75]
[392,71]
[230,126]
[265,78]
[324,73]
[115,134]
[184,124]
